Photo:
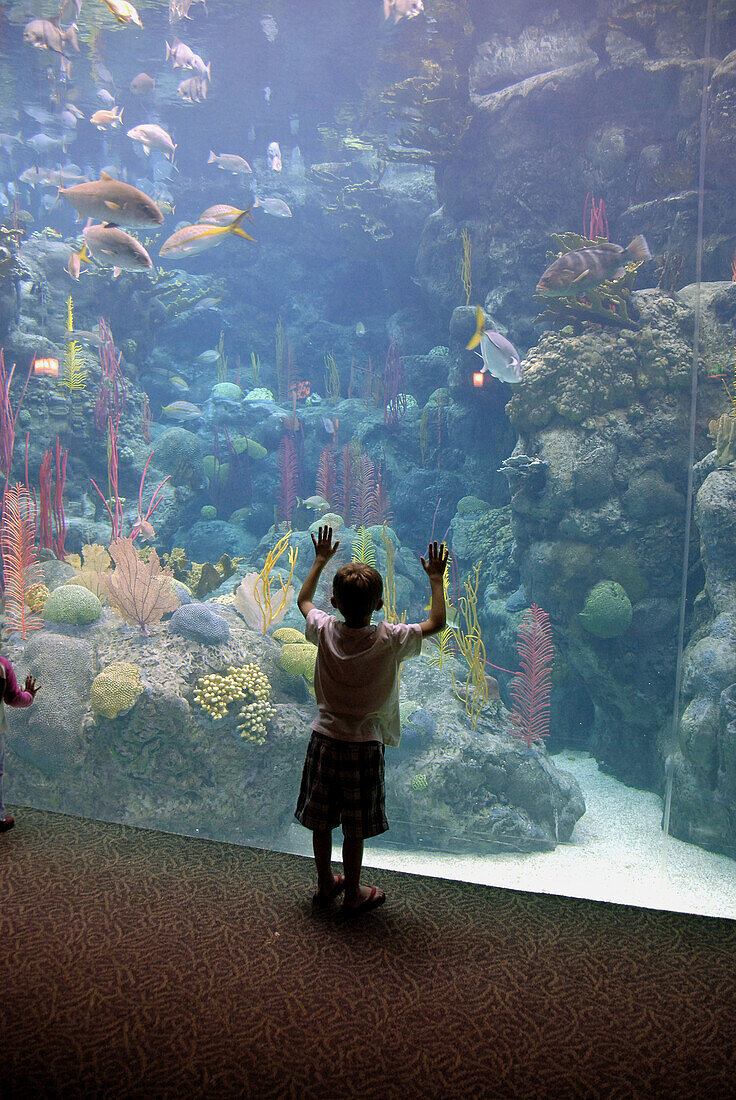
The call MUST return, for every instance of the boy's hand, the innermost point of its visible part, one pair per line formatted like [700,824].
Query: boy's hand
[324,549]
[30,686]
[437,558]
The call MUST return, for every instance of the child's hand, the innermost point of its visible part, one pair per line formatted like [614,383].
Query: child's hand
[324,549]
[30,686]
[437,558]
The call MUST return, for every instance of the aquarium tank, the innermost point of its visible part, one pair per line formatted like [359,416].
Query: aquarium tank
[418,270]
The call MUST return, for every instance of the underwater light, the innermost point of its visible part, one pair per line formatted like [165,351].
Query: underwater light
[477,378]
[47,367]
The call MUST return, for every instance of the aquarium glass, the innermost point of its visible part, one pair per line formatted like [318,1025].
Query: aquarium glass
[452,270]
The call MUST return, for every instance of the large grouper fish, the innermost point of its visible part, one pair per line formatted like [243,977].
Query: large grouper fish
[583,268]
[112,201]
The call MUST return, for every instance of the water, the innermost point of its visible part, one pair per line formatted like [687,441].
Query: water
[248,377]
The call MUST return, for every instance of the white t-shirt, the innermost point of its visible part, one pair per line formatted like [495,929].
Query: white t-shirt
[356,676]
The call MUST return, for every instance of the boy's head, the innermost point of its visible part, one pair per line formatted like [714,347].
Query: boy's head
[357,591]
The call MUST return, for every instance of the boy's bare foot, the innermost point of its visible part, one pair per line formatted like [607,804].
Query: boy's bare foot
[368,897]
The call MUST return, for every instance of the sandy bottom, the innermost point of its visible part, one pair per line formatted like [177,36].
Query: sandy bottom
[617,853]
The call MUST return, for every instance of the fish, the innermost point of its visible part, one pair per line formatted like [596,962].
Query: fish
[269,26]
[52,177]
[182,410]
[277,208]
[267,93]
[180,54]
[40,114]
[583,268]
[401,9]
[196,63]
[105,97]
[68,120]
[71,37]
[193,239]
[107,244]
[273,156]
[145,529]
[208,357]
[7,141]
[124,12]
[80,335]
[208,303]
[74,6]
[47,34]
[42,143]
[151,137]
[219,215]
[193,90]
[142,84]
[179,9]
[500,357]
[106,120]
[360,329]
[179,384]
[113,201]
[102,74]
[74,110]
[230,162]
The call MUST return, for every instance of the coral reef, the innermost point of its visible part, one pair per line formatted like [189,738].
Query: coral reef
[196,620]
[73,604]
[116,689]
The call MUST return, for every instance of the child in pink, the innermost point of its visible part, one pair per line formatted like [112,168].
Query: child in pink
[11,696]
[356,685]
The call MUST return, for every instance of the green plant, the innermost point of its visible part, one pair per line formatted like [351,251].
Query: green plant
[332,378]
[363,547]
[221,359]
[470,644]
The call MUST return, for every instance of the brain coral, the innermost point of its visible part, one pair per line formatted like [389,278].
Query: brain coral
[298,659]
[196,620]
[607,610]
[288,634]
[72,604]
[116,689]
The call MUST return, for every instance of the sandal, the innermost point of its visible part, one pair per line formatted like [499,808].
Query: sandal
[374,899]
[321,901]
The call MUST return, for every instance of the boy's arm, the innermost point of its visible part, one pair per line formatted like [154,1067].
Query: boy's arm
[323,551]
[434,567]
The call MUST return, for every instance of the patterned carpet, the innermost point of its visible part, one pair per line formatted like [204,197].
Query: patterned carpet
[135,964]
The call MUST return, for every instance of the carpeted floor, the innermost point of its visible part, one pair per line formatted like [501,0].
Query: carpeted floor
[135,964]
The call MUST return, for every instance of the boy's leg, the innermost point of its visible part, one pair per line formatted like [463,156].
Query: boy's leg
[322,846]
[352,860]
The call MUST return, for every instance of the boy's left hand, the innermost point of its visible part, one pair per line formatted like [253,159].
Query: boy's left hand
[31,686]
[324,548]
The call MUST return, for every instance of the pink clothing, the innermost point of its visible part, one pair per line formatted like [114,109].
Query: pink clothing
[356,676]
[13,695]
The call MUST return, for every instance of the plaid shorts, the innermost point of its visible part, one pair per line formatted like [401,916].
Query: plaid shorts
[343,784]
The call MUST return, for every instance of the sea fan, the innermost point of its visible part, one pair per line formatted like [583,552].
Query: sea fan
[288,465]
[139,590]
[20,564]
[530,687]
[326,475]
[366,510]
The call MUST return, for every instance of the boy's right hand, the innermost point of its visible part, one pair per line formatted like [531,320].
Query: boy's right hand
[324,548]
[437,558]
[31,686]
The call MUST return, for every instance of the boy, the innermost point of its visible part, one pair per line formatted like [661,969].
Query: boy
[355,681]
[11,695]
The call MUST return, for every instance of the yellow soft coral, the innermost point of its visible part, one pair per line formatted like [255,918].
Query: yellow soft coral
[215,693]
[116,689]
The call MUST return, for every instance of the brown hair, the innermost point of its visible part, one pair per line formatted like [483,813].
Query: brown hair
[357,589]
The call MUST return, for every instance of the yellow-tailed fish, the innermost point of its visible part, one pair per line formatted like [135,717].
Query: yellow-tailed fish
[124,12]
[193,239]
